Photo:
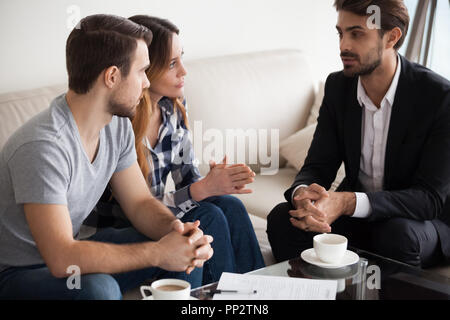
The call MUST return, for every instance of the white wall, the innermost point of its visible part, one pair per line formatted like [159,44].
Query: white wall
[33,33]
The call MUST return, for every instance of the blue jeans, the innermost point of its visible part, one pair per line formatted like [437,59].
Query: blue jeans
[36,282]
[236,248]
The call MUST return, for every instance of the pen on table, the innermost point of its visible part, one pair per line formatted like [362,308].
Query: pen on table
[230,291]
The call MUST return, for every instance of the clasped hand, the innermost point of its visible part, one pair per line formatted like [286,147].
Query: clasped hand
[185,247]
[316,209]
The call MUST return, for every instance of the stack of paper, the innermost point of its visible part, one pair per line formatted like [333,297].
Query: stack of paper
[274,288]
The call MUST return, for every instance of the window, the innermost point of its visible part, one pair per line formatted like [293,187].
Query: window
[428,39]
[440,44]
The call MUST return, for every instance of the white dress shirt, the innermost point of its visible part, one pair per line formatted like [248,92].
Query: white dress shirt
[374,133]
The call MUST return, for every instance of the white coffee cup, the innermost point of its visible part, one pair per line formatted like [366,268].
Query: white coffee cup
[330,248]
[168,289]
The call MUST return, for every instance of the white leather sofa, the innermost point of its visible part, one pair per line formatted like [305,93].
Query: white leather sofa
[255,92]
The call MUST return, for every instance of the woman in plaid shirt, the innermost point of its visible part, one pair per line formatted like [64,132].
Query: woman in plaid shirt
[163,146]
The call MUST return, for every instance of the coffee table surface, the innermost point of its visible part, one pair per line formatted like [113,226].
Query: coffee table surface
[373,277]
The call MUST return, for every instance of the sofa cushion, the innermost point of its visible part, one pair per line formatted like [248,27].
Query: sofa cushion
[268,191]
[18,107]
[314,113]
[251,92]
[443,270]
[260,226]
[295,149]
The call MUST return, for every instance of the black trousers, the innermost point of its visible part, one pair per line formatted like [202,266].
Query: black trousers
[409,241]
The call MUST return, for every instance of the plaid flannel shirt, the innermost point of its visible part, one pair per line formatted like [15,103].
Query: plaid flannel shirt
[173,153]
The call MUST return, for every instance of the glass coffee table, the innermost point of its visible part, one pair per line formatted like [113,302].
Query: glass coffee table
[373,277]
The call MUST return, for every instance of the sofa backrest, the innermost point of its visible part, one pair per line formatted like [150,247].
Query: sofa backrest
[252,92]
[17,107]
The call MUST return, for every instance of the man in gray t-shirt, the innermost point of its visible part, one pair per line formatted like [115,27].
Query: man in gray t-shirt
[44,162]
[54,169]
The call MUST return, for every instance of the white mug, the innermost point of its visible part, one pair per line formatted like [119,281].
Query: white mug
[330,248]
[168,289]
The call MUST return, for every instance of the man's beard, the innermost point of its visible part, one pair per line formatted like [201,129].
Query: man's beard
[374,57]
[121,110]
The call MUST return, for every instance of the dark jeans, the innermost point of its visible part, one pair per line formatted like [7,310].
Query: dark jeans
[36,282]
[409,241]
[236,248]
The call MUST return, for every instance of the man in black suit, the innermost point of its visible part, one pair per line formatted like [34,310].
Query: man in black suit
[388,120]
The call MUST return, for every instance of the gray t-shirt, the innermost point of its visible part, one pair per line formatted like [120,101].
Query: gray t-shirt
[44,162]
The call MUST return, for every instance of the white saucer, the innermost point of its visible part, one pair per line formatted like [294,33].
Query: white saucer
[151,298]
[309,255]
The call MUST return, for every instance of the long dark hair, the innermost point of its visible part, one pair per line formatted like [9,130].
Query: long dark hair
[159,50]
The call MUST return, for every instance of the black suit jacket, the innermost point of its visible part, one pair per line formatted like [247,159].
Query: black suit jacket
[417,163]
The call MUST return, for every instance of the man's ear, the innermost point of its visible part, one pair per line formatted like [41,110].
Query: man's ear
[393,37]
[112,76]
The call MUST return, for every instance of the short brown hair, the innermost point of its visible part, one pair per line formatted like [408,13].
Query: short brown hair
[99,42]
[393,14]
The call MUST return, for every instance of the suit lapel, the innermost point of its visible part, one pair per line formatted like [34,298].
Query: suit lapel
[399,123]
[352,132]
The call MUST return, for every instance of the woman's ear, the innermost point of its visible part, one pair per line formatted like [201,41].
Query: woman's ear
[112,76]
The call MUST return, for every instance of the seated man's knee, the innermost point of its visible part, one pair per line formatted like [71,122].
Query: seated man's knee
[396,239]
[285,240]
[278,223]
[278,217]
[99,287]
